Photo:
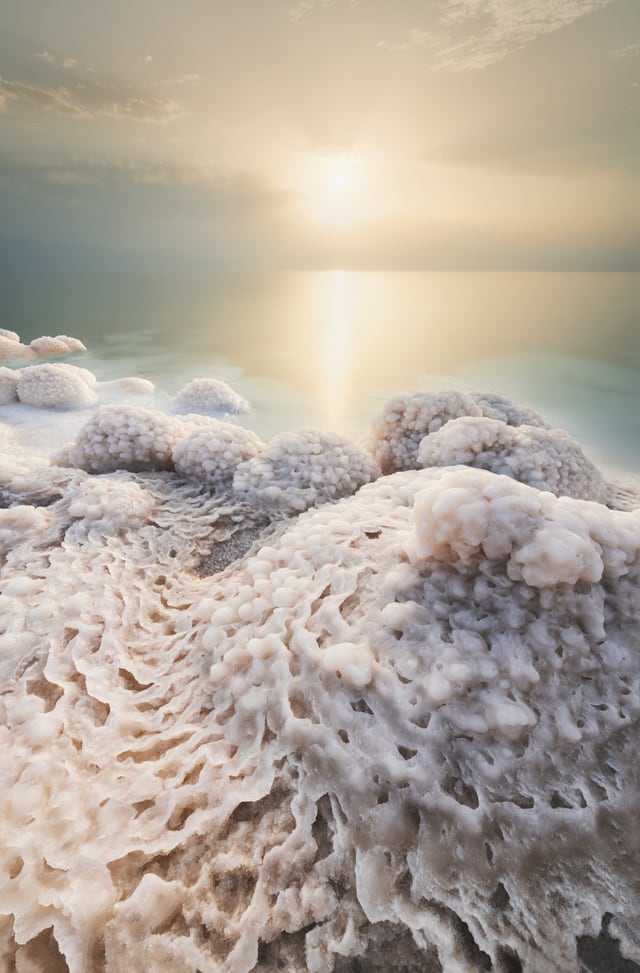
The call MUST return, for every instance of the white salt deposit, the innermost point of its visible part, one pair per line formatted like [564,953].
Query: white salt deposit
[212,450]
[209,396]
[400,733]
[544,458]
[56,386]
[11,348]
[124,437]
[300,470]
[397,432]
[8,385]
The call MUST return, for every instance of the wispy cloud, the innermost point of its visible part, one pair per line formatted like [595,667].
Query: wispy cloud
[93,101]
[302,7]
[630,50]
[415,38]
[474,34]
[69,62]
[45,56]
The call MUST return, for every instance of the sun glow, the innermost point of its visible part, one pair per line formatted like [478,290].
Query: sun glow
[335,189]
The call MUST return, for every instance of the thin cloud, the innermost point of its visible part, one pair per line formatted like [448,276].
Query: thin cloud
[45,56]
[303,7]
[69,62]
[95,101]
[474,34]
[416,38]
[631,50]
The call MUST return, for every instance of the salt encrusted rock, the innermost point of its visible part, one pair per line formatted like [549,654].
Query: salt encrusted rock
[12,350]
[407,419]
[300,470]
[495,406]
[544,458]
[9,335]
[212,450]
[124,437]
[397,433]
[56,386]
[404,731]
[48,346]
[8,385]
[209,396]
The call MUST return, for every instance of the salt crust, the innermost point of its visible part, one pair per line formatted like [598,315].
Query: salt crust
[397,432]
[124,437]
[8,385]
[209,396]
[56,386]
[299,470]
[407,723]
[544,458]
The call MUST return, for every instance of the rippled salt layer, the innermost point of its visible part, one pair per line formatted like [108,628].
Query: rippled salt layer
[264,708]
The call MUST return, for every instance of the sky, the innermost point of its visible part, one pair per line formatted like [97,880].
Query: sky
[368,134]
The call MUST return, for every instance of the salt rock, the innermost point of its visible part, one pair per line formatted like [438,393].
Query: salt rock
[56,386]
[124,437]
[209,396]
[300,470]
[544,458]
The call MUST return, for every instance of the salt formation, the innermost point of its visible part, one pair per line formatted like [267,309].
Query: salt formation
[12,349]
[398,732]
[212,450]
[56,386]
[407,419]
[401,733]
[8,385]
[209,396]
[124,437]
[300,470]
[544,458]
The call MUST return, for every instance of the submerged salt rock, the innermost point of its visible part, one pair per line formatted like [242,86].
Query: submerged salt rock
[544,458]
[56,386]
[46,346]
[72,344]
[124,437]
[300,470]
[8,385]
[396,734]
[212,450]
[209,396]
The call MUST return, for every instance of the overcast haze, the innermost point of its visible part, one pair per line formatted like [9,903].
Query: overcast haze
[472,134]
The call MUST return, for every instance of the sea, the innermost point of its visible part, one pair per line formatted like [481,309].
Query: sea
[327,349]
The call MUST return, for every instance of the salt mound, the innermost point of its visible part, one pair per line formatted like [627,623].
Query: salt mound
[124,437]
[212,450]
[209,396]
[300,470]
[11,348]
[495,406]
[401,735]
[56,386]
[396,434]
[8,385]
[62,344]
[547,459]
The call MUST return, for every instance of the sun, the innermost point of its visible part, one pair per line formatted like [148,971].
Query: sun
[334,189]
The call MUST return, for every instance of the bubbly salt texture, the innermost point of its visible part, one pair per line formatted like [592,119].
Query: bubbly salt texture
[396,731]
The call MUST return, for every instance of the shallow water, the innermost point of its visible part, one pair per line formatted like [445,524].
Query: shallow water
[327,349]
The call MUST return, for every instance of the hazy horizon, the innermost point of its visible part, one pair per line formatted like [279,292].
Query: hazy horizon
[317,134]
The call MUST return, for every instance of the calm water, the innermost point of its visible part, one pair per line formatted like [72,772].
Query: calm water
[327,349]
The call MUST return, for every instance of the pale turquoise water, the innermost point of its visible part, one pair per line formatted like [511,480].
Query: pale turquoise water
[326,349]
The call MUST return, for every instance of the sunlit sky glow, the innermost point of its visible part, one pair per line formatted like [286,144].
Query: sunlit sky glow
[472,134]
